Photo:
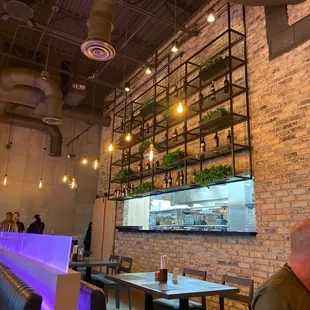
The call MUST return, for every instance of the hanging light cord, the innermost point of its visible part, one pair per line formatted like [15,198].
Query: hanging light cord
[86,142]
[175,18]
[66,164]
[44,151]
[9,146]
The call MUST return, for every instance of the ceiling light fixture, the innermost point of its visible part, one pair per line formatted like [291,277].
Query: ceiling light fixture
[175,48]
[96,164]
[41,179]
[148,71]
[151,153]
[180,108]
[5,181]
[211,15]
[110,148]
[128,137]
[65,178]
[41,183]
[85,160]
[127,87]
[73,183]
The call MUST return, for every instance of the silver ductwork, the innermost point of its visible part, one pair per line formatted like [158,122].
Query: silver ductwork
[267,2]
[37,124]
[97,46]
[13,79]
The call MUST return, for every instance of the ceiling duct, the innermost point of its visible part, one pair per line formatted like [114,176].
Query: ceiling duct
[267,2]
[12,79]
[20,10]
[37,124]
[97,46]
[75,93]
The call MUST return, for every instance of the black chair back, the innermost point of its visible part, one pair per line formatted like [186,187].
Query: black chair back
[247,283]
[199,274]
[126,264]
[113,258]
[91,297]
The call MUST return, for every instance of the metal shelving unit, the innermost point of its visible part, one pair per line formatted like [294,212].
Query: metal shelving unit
[196,80]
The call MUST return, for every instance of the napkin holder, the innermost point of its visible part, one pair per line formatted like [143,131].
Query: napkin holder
[163,275]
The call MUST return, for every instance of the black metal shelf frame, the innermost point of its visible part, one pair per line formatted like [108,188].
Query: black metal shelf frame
[193,85]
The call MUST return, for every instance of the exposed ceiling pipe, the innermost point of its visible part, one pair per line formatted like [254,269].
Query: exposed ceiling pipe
[267,2]
[37,124]
[97,46]
[22,95]
[11,78]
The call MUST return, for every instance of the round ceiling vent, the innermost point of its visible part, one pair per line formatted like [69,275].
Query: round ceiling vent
[18,10]
[52,120]
[98,50]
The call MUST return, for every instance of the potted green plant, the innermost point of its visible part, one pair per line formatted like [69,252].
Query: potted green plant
[123,174]
[213,66]
[143,188]
[214,115]
[209,175]
[173,157]
[144,146]
[147,108]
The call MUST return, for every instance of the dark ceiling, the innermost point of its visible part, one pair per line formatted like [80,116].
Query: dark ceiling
[61,27]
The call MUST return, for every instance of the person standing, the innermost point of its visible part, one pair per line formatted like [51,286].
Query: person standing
[37,227]
[289,288]
[8,225]
[20,225]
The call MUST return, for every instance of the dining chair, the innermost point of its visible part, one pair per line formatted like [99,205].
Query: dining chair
[113,269]
[246,283]
[100,281]
[174,304]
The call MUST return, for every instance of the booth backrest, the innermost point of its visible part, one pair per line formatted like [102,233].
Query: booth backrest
[91,297]
[16,294]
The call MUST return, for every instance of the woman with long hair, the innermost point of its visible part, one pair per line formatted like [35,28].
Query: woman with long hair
[8,224]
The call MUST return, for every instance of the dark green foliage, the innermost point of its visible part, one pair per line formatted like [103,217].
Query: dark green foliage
[173,157]
[141,189]
[211,113]
[123,174]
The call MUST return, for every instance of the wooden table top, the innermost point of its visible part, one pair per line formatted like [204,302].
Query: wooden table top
[185,287]
[93,262]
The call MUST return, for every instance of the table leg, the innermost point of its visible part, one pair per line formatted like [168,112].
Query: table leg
[87,276]
[148,302]
[184,304]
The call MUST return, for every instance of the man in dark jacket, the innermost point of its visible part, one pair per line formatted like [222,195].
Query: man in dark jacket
[20,225]
[289,287]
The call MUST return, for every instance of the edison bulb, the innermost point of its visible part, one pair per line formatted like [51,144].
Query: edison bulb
[174,48]
[148,71]
[180,108]
[128,137]
[65,178]
[96,164]
[5,181]
[151,153]
[110,148]
[73,182]
[84,161]
[210,16]
[41,184]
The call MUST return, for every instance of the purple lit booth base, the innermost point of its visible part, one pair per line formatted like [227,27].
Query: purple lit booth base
[29,259]
[50,250]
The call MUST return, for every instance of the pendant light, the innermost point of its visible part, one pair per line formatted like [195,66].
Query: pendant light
[127,87]
[96,163]
[8,147]
[110,147]
[151,153]
[65,177]
[211,15]
[180,107]
[73,183]
[85,160]
[42,167]
[128,137]
[175,45]
[148,71]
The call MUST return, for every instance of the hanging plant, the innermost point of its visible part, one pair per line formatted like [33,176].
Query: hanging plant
[212,61]
[211,114]
[141,189]
[208,175]
[123,174]
[167,113]
[173,157]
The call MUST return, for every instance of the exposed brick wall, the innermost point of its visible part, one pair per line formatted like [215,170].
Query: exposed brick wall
[280,115]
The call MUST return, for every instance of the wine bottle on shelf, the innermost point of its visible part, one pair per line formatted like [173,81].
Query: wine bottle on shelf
[226,85]
[229,139]
[177,180]
[213,94]
[202,145]
[182,177]
[175,135]
[115,192]
[194,174]
[157,163]
[141,131]
[165,184]
[147,128]
[216,140]
[148,166]
[140,166]
[170,180]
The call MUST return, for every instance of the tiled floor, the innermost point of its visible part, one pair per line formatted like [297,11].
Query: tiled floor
[137,300]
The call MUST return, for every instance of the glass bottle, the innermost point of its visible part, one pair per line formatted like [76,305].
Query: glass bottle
[216,140]
[141,131]
[148,166]
[157,163]
[213,94]
[229,139]
[202,145]
[140,166]
[147,128]
[182,178]
[170,180]
[193,176]
[175,134]
[226,85]
[165,184]
[177,180]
